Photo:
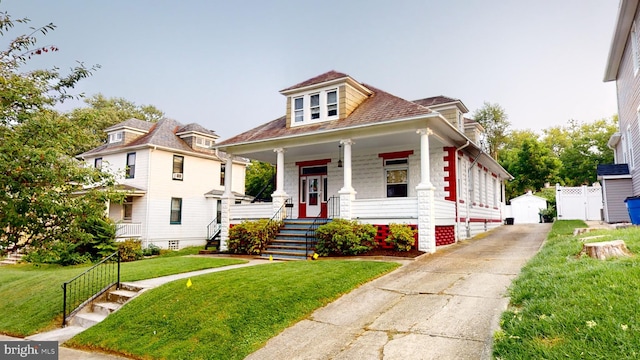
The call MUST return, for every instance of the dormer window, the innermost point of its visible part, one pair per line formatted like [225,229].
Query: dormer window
[202,142]
[316,106]
[115,137]
[298,109]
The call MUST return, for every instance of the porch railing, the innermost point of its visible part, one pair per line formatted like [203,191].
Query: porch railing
[126,230]
[87,286]
[333,209]
[213,229]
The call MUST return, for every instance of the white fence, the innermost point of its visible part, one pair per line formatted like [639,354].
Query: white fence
[579,203]
[128,230]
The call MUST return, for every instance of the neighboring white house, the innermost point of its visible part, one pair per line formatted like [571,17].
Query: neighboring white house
[173,179]
[525,209]
[349,150]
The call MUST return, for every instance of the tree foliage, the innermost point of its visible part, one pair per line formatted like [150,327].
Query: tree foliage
[48,199]
[495,122]
[259,181]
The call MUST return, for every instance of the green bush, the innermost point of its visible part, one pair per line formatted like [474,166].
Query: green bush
[130,250]
[251,237]
[151,250]
[344,237]
[402,237]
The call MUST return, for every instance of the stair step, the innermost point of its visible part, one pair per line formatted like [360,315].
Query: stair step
[87,320]
[121,296]
[105,308]
[130,287]
[285,252]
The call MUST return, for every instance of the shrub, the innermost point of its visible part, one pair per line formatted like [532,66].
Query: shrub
[344,237]
[402,237]
[251,237]
[130,250]
[151,250]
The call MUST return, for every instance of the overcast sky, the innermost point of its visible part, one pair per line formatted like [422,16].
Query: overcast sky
[222,63]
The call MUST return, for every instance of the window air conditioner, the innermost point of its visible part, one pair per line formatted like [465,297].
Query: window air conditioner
[177,176]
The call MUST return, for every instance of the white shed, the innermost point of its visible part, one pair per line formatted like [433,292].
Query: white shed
[525,208]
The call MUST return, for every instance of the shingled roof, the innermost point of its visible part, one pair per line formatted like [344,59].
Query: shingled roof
[379,107]
[193,127]
[162,133]
[132,123]
[328,76]
[435,100]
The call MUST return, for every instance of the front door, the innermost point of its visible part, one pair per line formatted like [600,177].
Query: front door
[314,194]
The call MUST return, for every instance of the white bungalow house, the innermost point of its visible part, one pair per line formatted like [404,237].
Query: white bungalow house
[173,179]
[348,150]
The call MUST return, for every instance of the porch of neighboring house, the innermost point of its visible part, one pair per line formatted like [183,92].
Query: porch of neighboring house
[128,223]
[404,177]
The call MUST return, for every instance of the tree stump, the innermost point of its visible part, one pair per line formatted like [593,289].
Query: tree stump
[606,249]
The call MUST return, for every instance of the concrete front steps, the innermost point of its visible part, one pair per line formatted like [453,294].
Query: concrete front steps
[11,259]
[290,242]
[99,309]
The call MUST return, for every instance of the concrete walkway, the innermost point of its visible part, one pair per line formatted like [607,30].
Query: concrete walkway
[442,306]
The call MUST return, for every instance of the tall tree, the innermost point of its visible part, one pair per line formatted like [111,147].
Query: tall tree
[260,180]
[496,123]
[47,198]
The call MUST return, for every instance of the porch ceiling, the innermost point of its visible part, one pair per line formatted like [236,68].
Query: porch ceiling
[328,148]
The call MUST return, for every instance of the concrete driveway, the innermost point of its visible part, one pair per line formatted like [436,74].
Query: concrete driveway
[441,306]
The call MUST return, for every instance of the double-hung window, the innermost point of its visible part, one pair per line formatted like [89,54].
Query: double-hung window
[332,103]
[396,176]
[115,137]
[131,166]
[178,167]
[127,208]
[298,109]
[315,106]
[176,211]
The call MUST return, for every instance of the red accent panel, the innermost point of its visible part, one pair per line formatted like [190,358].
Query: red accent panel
[396,155]
[494,175]
[313,162]
[302,210]
[445,235]
[450,179]
[383,232]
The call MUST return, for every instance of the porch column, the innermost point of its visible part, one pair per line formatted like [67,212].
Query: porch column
[425,191]
[226,201]
[347,193]
[279,196]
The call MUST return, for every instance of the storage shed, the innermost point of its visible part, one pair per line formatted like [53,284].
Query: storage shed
[616,186]
[525,208]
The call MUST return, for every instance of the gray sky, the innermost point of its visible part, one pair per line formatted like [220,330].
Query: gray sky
[222,63]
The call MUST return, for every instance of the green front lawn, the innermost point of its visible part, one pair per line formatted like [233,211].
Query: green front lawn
[32,294]
[226,315]
[569,307]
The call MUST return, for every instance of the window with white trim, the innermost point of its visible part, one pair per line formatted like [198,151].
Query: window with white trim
[316,106]
[131,166]
[97,163]
[495,192]
[127,208]
[176,211]
[396,177]
[178,168]
[627,146]
[115,137]
[202,142]
[298,109]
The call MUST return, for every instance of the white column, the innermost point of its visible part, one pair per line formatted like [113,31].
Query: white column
[227,200]
[279,196]
[425,191]
[347,193]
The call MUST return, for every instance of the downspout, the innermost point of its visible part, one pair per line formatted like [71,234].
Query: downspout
[458,190]
[475,161]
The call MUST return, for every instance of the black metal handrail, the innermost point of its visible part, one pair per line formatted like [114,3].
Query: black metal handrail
[87,286]
[279,216]
[333,208]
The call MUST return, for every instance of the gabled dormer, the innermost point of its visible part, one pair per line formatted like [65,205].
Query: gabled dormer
[127,131]
[451,109]
[327,97]
[474,131]
[197,137]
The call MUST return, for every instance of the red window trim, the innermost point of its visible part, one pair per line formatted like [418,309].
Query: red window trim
[313,162]
[396,154]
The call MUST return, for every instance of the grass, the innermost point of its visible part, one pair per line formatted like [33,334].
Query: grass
[569,307]
[32,294]
[225,315]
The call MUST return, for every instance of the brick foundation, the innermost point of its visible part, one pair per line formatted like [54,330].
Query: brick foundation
[445,235]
